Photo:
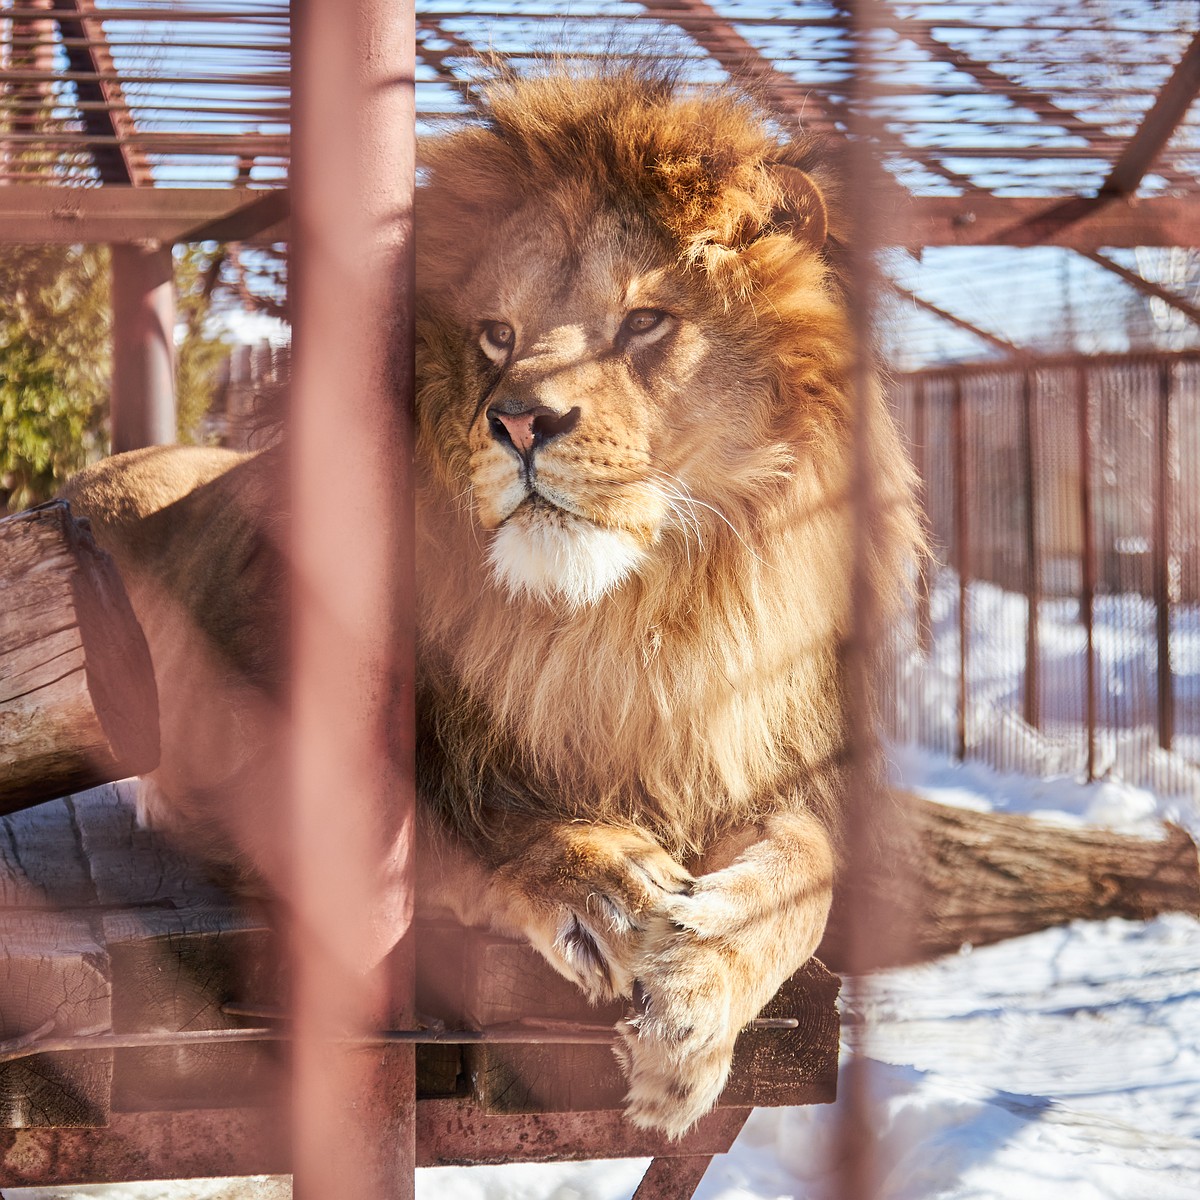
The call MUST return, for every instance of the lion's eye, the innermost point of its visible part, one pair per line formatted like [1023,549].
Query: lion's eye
[497,337]
[643,320]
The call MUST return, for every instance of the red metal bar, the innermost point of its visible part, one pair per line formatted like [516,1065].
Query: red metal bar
[1088,549]
[1144,285]
[1157,125]
[672,1178]
[353,1110]
[1029,464]
[958,439]
[143,374]
[921,454]
[200,1143]
[1161,550]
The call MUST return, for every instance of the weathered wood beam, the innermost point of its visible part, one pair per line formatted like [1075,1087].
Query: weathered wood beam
[1157,126]
[33,213]
[78,705]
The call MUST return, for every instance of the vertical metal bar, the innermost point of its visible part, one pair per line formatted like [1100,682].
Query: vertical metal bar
[350,448]
[921,454]
[962,544]
[143,373]
[1161,551]
[1088,551]
[672,1178]
[1029,458]
[867,819]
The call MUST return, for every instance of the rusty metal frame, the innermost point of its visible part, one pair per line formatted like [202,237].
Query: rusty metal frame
[124,162]
[195,1143]
[954,319]
[1157,126]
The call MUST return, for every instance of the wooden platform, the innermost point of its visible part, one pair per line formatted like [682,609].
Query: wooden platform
[107,929]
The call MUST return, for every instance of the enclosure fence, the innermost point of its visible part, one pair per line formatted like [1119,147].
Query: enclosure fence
[1056,622]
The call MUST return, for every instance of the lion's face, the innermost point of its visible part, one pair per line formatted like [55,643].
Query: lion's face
[600,395]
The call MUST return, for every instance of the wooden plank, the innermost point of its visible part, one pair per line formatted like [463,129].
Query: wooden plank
[131,866]
[508,981]
[78,704]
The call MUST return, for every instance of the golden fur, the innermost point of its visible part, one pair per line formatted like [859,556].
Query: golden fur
[634,445]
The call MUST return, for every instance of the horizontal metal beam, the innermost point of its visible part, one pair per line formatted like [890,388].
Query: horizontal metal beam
[30,213]
[197,1143]
[33,213]
[1077,222]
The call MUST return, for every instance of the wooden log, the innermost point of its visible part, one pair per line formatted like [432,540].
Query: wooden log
[78,705]
[982,877]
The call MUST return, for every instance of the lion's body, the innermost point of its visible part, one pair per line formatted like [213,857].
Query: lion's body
[634,532]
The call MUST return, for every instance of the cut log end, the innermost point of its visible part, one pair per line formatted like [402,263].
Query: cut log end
[78,703]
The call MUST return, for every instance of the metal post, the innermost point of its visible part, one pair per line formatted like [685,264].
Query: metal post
[350,447]
[1088,550]
[1161,549]
[921,453]
[958,418]
[1029,458]
[143,372]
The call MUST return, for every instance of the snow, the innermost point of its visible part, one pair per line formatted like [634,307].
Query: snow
[924,697]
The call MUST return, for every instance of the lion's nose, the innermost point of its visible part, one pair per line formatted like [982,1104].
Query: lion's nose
[525,431]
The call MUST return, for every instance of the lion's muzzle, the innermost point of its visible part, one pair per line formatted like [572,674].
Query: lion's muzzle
[528,429]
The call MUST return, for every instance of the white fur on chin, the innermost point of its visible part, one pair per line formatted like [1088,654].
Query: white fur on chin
[557,556]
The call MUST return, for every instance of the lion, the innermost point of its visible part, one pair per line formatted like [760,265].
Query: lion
[634,444]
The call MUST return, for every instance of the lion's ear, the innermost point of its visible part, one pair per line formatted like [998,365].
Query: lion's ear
[801,211]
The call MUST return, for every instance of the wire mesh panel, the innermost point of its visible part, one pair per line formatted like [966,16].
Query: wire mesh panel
[1063,536]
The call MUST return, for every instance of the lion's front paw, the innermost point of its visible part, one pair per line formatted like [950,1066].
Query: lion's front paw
[587,894]
[677,1049]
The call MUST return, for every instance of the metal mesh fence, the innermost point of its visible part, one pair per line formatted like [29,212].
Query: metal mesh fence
[1055,627]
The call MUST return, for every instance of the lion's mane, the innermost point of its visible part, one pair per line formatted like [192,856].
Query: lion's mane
[708,689]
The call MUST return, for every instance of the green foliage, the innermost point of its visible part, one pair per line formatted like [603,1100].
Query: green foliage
[54,366]
[56,359]
[199,351]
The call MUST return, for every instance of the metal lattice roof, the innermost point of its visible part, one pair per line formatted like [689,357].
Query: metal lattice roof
[1067,125]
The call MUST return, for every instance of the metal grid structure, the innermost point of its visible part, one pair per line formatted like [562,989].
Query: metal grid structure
[145,94]
[1069,127]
